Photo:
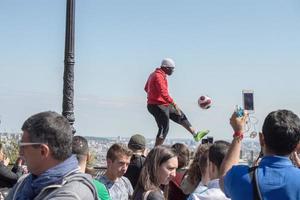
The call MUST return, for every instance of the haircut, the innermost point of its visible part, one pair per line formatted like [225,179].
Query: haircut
[148,179]
[183,154]
[52,129]
[203,162]
[217,152]
[194,174]
[281,131]
[80,147]
[117,150]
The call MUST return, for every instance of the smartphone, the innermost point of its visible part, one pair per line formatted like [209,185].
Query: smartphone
[210,139]
[248,99]
[204,141]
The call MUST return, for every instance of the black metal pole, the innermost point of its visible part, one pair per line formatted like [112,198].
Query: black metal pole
[68,90]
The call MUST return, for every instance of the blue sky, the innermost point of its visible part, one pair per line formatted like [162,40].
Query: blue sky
[220,47]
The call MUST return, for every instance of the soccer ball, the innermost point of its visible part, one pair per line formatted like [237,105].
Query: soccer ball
[204,102]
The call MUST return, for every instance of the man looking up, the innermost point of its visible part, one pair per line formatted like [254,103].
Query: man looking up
[162,106]
[46,146]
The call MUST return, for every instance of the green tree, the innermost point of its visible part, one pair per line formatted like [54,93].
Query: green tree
[11,150]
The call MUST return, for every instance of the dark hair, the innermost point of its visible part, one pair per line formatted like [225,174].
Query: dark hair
[80,147]
[183,154]
[217,152]
[148,179]
[52,129]
[281,131]
[117,150]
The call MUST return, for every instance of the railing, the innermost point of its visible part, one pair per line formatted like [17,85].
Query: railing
[96,171]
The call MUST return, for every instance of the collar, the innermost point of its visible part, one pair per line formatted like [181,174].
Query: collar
[213,183]
[159,70]
[278,161]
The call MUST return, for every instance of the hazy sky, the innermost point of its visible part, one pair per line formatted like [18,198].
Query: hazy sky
[220,47]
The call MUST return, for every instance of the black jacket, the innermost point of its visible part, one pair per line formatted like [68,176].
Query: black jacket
[7,177]
[134,169]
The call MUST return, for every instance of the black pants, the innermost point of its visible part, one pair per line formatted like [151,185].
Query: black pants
[162,114]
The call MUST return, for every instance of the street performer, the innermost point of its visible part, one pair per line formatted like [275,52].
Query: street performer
[161,105]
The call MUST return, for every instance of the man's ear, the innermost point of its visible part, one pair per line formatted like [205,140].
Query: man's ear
[211,167]
[88,157]
[298,148]
[45,151]
[261,139]
[109,162]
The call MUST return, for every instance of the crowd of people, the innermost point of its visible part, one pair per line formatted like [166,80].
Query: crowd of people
[57,165]
[56,161]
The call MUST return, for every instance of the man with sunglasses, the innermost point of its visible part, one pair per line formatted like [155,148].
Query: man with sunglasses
[161,105]
[46,146]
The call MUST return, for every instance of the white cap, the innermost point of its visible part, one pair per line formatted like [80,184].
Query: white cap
[167,62]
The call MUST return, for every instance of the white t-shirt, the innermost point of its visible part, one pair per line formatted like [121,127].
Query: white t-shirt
[211,192]
[120,189]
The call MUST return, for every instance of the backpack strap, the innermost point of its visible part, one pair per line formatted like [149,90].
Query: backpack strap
[146,194]
[254,182]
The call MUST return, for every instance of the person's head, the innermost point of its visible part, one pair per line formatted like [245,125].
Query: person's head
[46,141]
[159,168]
[280,132]
[118,158]
[168,66]
[137,143]
[194,174]
[216,154]
[80,148]
[183,154]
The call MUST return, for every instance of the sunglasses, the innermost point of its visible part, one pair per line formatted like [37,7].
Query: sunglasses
[24,144]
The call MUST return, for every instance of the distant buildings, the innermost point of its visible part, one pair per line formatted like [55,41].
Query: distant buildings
[100,145]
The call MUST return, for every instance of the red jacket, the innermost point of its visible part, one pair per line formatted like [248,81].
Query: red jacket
[157,88]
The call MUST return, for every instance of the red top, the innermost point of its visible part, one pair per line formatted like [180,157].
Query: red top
[157,88]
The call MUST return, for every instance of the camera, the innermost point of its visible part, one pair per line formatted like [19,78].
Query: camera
[207,140]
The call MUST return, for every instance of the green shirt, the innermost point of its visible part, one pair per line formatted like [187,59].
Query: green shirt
[101,190]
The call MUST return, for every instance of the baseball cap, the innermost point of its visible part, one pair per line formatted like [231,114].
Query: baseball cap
[137,141]
[167,62]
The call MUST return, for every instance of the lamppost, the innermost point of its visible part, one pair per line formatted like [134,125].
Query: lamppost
[68,88]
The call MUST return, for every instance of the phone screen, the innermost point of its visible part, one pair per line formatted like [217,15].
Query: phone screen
[248,101]
[210,140]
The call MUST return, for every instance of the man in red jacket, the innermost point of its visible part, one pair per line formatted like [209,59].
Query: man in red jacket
[162,106]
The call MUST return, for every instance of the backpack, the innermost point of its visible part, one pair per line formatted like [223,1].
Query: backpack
[3,193]
[175,192]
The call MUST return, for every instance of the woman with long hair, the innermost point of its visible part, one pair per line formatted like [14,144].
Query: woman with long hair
[159,168]
[196,171]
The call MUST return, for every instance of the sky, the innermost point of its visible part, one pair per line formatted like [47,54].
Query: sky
[219,47]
